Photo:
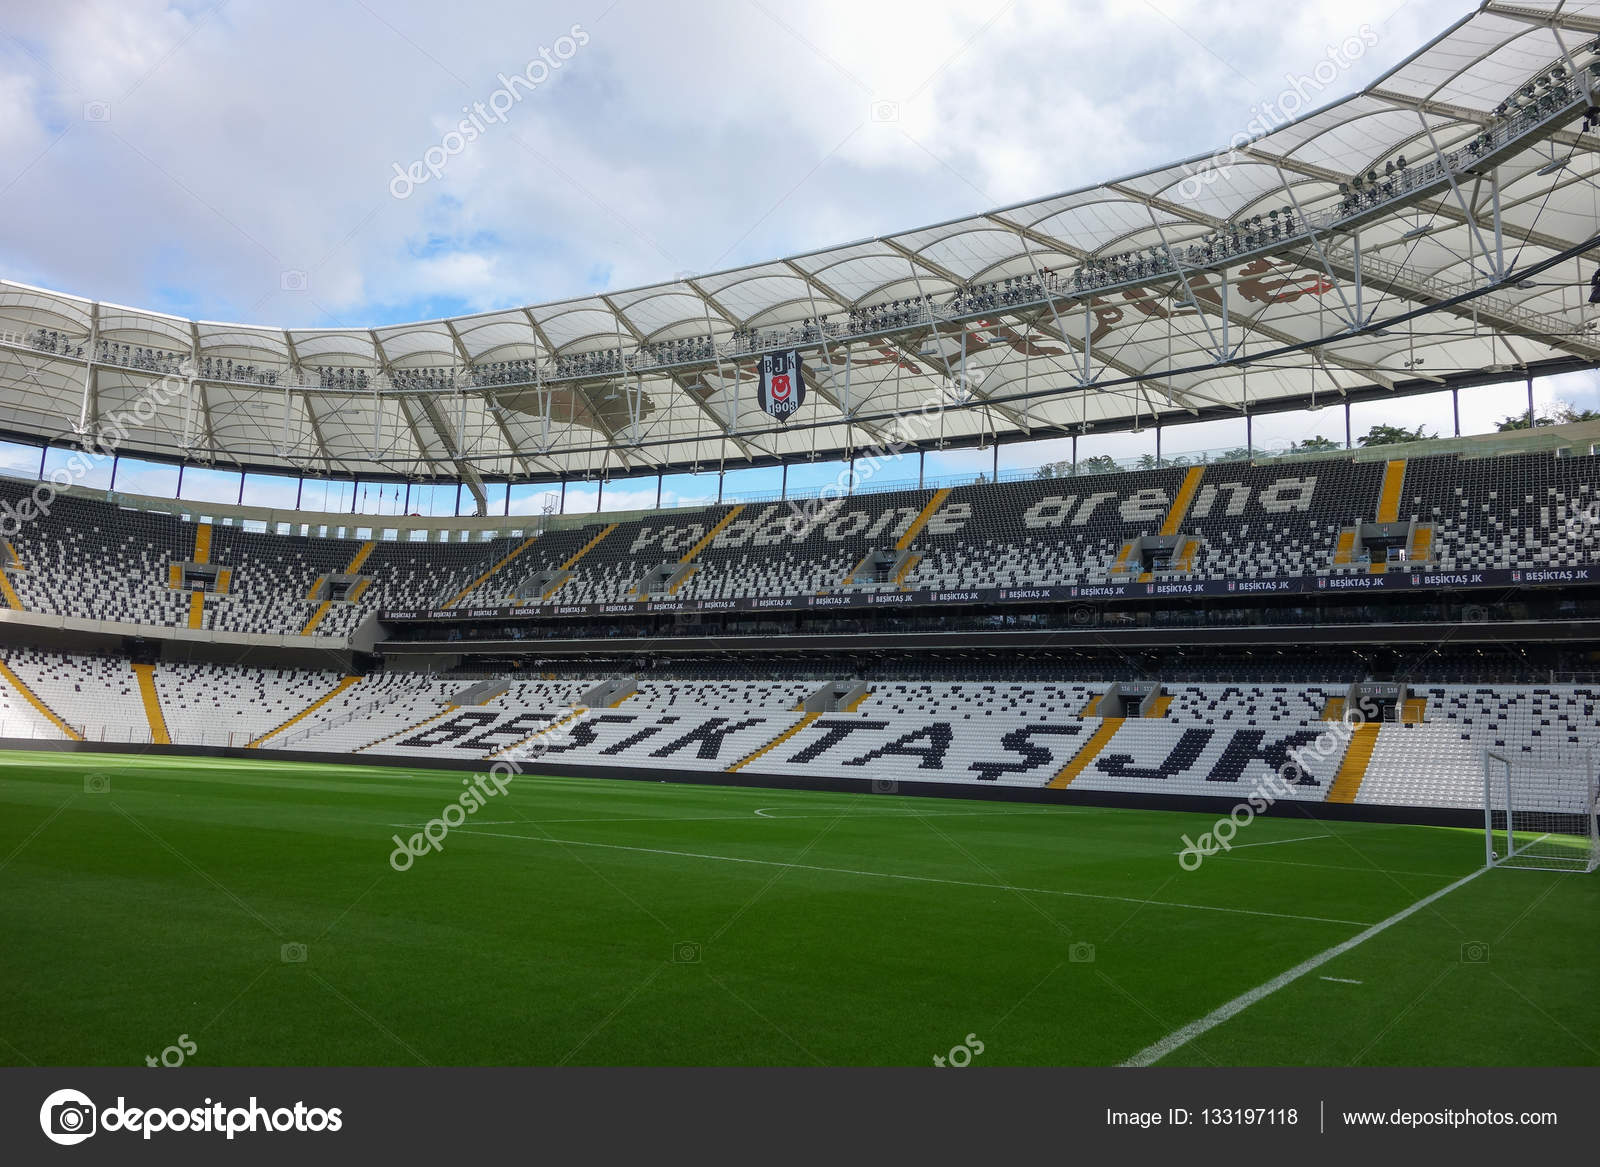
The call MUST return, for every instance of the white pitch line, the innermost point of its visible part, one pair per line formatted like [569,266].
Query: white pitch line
[739,818]
[1275,842]
[909,813]
[1049,891]
[1341,980]
[1272,842]
[1152,1054]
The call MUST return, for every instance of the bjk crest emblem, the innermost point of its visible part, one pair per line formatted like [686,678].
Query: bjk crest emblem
[781,386]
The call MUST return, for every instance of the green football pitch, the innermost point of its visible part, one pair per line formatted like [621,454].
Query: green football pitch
[251,909]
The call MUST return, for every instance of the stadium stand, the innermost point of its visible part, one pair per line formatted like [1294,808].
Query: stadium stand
[97,560]
[1515,511]
[907,722]
[1044,531]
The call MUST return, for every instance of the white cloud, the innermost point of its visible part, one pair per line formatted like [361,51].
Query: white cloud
[243,141]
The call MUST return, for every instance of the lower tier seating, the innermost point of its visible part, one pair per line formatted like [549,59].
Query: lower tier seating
[1216,739]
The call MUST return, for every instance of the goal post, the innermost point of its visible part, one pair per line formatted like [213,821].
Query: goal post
[1540,810]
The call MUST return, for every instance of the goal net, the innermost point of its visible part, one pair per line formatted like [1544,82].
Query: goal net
[1539,810]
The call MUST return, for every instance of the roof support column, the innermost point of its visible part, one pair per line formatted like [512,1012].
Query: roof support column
[89,408]
[1494,203]
[1355,243]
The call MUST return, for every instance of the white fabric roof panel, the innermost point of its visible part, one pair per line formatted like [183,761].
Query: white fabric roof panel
[1155,342]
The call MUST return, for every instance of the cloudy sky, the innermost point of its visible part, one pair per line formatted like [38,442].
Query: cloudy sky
[196,158]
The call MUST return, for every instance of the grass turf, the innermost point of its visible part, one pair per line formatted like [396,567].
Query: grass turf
[611,922]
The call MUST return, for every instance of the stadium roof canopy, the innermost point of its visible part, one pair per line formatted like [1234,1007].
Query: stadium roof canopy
[1423,231]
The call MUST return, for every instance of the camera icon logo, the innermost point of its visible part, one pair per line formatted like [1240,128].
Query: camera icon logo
[686,952]
[1081,953]
[67,1117]
[97,111]
[292,953]
[97,783]
[885,112]
[1474,952]
[294,281]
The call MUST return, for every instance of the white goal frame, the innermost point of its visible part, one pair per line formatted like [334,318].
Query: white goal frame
[1518,834]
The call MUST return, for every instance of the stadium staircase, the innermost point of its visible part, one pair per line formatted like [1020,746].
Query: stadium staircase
[897,564]
[306,712]
[1089,752]
[429,720]
[32,698]
[484,578]
[669,577]
[834,697]
[564,572]
[922,519]
[12,563]
[774,743]
[146,675]
[1394,481]
[551,728]
[1180,505]
[1353,769]
[904,569]
[705,540]
[1344,552]
[354,566]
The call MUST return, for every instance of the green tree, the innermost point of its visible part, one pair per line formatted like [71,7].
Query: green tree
[1099,464]
[1519,421]
[1561,414]
[1317,443]
[1393,435]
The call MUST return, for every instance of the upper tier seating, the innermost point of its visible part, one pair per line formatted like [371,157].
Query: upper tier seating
[91,559]
[775,549]
[1043,531]
[1522,510]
